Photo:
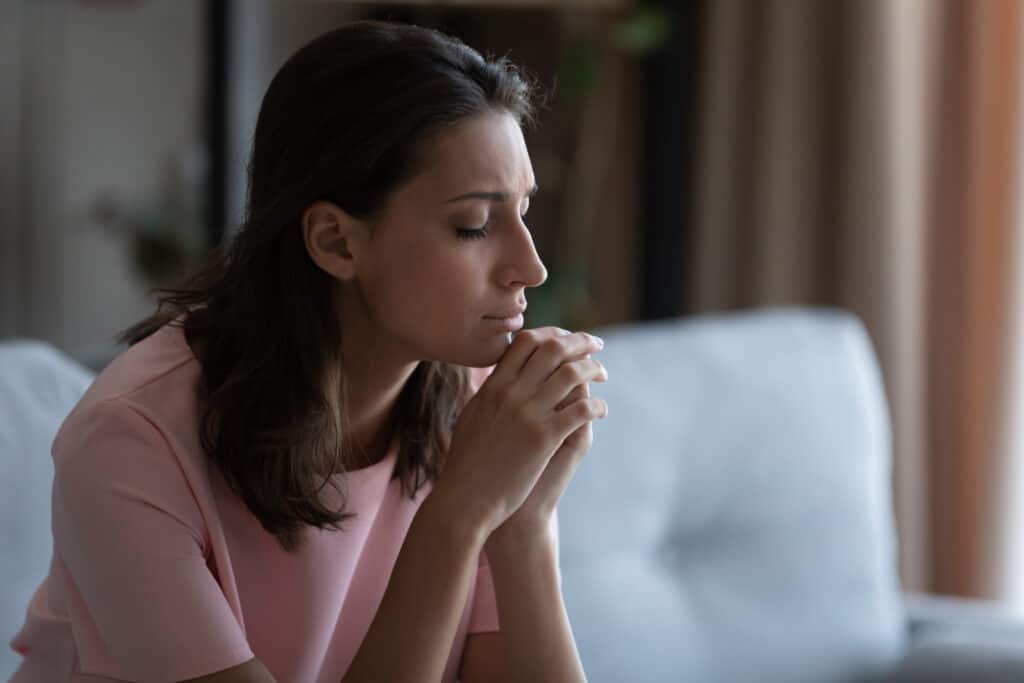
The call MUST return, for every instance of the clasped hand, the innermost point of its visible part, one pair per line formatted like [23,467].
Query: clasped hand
[520,439]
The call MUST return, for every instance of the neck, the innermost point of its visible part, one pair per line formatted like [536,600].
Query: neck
[368,444]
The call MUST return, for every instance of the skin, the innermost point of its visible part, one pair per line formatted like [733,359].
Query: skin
[409,289]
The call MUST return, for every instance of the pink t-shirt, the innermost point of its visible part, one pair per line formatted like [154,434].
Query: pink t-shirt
[160,573]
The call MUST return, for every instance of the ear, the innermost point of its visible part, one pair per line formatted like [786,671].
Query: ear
[334,239]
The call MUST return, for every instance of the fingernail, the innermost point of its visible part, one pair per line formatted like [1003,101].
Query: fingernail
[600,342]
[563,332]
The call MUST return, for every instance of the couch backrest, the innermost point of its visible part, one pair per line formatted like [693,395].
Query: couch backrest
[38,388]
[732,521]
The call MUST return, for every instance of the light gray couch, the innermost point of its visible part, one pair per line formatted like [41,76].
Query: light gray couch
[38,387]
[732,522]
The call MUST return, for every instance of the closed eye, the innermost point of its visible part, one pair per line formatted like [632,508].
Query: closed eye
[478,233]
[472,234]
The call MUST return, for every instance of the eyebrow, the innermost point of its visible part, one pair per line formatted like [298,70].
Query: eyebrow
[489,196]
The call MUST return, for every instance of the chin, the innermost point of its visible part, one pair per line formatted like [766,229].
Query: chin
[471,349]
[480,355]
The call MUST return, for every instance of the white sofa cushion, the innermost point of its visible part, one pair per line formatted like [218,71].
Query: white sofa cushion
[732,522]
[38,387]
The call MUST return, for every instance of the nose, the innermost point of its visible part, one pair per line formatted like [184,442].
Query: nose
[523,266]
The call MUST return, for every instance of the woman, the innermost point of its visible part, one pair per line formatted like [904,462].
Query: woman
[242,495]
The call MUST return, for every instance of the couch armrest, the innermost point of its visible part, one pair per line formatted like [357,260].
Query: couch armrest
[957,640]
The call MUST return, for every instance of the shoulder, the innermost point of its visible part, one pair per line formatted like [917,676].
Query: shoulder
[142,403]
[109,440]
[114,467]
[158,373]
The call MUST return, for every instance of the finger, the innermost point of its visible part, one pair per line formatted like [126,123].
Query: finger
[553,344]
[571,452]
[578,392]
[553,352]
[519,351]
[567,379]
[579,440]
[577,414]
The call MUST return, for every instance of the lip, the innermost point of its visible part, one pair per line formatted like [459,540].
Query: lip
[510,324]
[508,313]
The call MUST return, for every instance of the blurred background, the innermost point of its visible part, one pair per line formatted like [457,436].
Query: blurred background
[692,157]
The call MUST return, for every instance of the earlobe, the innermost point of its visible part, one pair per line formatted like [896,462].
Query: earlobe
[330,235]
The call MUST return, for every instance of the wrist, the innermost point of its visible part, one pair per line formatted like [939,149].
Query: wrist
[521,534]
[446,518]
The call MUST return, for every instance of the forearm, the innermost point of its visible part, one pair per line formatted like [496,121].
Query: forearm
[412,632]
[535,631]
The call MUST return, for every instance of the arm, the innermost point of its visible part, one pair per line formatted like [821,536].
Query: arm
[412,632]
[535,642]
[130,533]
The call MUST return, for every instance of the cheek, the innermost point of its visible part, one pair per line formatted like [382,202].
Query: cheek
[453,288]
[436,286]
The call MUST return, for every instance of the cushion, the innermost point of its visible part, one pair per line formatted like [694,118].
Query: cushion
[38,387]
[732,521]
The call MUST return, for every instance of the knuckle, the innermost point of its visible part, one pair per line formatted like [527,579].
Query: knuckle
[527,337]
[573,372]
[536,436]
[500,393]
[552,344]
[581,409]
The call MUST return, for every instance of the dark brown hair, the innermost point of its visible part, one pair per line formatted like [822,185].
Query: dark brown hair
[346,120]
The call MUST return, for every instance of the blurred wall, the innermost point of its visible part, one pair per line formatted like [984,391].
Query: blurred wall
[11,210]
[264,33]
[99,96]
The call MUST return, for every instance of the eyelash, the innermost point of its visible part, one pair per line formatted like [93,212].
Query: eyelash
[477,233]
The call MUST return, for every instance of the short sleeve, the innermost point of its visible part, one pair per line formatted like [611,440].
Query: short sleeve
[129,531]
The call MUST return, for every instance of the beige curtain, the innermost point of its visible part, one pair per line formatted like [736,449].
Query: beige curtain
[859,154]
[972,220]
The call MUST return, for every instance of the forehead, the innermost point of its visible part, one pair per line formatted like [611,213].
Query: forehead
[484,153]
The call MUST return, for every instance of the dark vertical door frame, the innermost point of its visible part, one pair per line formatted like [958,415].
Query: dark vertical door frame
[216,118]
[670,90]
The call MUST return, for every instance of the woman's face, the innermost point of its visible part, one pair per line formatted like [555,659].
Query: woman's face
[427,286]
